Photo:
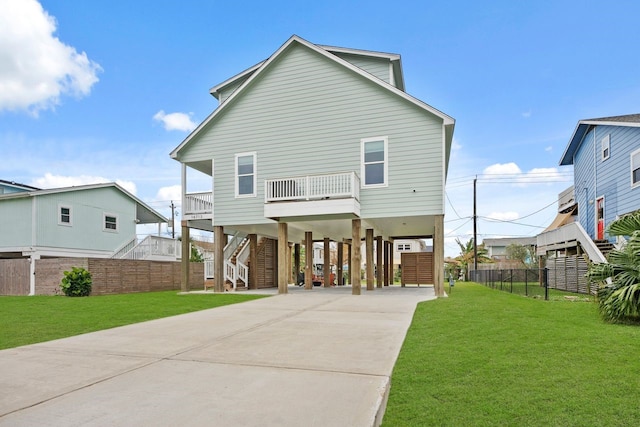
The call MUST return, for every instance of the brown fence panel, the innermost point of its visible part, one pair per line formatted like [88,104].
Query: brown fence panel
[569,274]
[417,268]
[14,277]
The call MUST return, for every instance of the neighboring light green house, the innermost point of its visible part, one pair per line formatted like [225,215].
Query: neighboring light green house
[319,143]
[94,221]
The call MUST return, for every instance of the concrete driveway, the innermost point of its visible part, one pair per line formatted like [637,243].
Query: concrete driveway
[307,358]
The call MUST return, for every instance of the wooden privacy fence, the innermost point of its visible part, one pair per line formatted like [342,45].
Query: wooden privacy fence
[417,268]
[568,274]
[14,276]
[110,276]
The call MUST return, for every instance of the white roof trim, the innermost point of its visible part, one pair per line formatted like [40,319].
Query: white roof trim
[375,54]
[446,119]
[214,90]
[606,123]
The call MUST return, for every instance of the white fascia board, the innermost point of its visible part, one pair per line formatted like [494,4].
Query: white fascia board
[605,123]
[361,52]
[214,90]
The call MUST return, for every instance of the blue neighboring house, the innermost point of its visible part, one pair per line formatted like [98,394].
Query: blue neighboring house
[605,154]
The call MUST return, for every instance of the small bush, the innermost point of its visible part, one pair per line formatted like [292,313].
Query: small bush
[76,283]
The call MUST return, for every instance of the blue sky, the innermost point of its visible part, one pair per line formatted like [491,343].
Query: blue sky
[105,90]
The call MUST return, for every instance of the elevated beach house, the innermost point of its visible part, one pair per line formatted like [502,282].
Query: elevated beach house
[605,154]
[316,143]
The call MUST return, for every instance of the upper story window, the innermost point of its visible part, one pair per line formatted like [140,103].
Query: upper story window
[246,175]
[110,222]
[635,168]
[404,247]
[605,145]
[374,162]
[64,215]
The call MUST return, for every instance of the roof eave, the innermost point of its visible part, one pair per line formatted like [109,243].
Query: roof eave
[447,120]
[574,143]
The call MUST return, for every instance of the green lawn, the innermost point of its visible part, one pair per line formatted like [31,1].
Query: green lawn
[28,320]
[488,358]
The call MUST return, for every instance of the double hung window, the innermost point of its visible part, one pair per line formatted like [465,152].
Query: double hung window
[374,153]
[635,168]
[245,175]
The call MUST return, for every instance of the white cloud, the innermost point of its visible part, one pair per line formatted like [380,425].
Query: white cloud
[173,192]
[549,149]
[504,216]
[502,169]
[175,121]
[59,181]
[510,173]
[36,68]
[526,114]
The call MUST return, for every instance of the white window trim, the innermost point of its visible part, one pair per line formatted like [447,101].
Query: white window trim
[255,175]
[104,222]
[363,177]
[605,145]
[637,184]
[60,222]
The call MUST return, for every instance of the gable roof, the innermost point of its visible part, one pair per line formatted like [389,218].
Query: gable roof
[144,213]
[629,120]
[259,68]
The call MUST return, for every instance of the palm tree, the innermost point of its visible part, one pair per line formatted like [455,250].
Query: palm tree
[466,255]
[619,277]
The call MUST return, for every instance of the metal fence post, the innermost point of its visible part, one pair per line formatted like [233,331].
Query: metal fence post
[546,285]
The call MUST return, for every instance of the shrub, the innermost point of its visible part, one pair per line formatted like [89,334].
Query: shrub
[76,283]
[619,297]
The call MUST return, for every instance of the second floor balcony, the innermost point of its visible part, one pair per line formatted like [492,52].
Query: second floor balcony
[326,194]
[198,206]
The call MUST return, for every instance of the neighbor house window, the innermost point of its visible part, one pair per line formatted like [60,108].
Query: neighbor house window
[246,175]
[605,142]
[64,215]
[404,247]
[374,162]
[635,168]
[110,222]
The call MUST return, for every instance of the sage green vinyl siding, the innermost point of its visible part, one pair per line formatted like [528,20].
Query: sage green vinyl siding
[87,215]
[379,67]
[15,226]
[307,114]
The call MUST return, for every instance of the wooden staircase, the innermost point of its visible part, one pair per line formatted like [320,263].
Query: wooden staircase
[604,246]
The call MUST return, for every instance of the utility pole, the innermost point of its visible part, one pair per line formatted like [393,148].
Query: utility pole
[173,220]
[475,228]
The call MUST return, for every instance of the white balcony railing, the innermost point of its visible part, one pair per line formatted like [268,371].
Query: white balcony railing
[337,185]
[153,247]
[198,204]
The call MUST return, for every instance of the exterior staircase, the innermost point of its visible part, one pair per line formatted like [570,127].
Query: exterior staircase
[604,246]
[153,248]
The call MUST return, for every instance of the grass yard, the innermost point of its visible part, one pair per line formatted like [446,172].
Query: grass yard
[28,320]
[483,357]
